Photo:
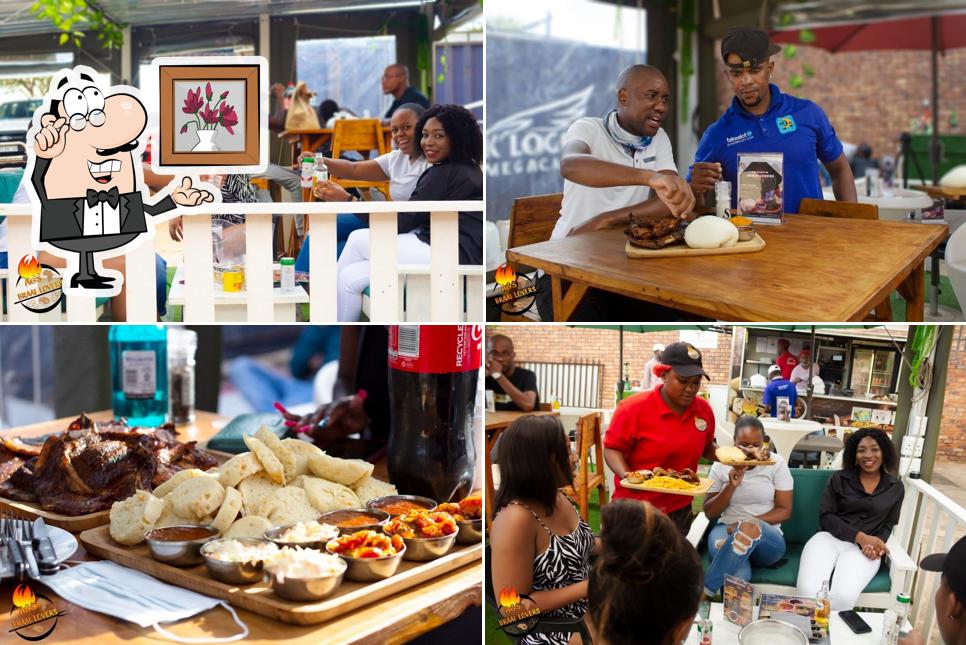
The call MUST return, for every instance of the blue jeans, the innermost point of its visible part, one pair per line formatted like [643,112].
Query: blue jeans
[767,550]
[262,386]
[345,223]
[3,259]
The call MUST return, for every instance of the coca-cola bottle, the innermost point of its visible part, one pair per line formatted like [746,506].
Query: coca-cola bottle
[433,376]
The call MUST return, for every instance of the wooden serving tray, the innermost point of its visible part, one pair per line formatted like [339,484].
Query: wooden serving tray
[678,250]
[75,523]
[259,597]
[701,489]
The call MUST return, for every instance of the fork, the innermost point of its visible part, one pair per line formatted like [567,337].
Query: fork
[20,525]
[19,564]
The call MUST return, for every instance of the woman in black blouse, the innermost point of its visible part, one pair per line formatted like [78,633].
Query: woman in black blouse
[450,139]
[858,510]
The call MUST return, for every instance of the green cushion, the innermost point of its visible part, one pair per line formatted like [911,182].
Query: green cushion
[802,525]
[9,182]
[787,574]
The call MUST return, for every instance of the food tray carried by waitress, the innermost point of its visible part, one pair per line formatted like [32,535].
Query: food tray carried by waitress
[672,482]
[744,456]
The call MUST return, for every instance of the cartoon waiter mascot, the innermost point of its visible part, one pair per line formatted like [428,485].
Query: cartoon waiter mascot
[87,178]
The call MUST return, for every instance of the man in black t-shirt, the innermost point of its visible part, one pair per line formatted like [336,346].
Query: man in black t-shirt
[395,81]
[514,388]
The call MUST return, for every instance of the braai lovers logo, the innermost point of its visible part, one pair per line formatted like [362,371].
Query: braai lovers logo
[519,291]
[33,616]
[518,614]
[39,286]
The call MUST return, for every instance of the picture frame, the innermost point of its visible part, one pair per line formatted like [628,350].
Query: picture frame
[213,114]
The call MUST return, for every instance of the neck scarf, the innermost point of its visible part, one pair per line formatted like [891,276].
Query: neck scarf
[630,142]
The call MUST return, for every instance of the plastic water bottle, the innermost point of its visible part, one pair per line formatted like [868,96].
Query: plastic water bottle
[307,170]
[139,365]
[895,619]
[321,173]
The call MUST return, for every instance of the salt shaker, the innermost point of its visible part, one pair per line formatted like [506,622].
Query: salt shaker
[722,199]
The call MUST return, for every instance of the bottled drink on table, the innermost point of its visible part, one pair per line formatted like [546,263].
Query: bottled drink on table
[705,631]
[320,174]
[182,344]
[139,366]
[433,376]
[307,169]
[823,605]
[895,619]
[287,274]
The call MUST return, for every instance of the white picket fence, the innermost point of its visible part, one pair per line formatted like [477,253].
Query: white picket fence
[454,292]
[930,523]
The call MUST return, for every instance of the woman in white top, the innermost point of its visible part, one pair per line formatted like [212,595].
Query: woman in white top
[749,503]
[402,167]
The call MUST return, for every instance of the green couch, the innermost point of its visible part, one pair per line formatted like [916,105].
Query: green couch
[802,525]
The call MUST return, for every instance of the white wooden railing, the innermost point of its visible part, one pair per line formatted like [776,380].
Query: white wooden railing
[930,523]
[446,279]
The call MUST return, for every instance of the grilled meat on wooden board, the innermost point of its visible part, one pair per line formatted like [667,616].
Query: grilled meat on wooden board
[655,232]
[90,466]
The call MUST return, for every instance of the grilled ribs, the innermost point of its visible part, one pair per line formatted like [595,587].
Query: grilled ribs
[654,232]
[90,466]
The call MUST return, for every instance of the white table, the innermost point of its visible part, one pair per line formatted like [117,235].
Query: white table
[726,633]
[785,434]
[233,306]
[894,204]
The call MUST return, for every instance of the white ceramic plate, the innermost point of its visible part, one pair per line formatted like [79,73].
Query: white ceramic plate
[64,544]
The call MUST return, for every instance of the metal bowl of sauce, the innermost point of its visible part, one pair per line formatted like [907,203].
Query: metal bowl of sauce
[401,504]
[179,545]
[350,520]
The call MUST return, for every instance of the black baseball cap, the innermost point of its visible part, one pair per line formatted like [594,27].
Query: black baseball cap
[684,359]
[753,46]
[952,565]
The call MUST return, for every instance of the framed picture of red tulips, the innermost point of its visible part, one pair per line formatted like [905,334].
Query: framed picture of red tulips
[209,115]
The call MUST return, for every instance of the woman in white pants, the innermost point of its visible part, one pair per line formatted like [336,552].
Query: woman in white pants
[450,139]
[859,508]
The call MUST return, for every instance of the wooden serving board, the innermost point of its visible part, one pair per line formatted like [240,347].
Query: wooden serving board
[679,250]
[75,523]
[259,597]
[701,489]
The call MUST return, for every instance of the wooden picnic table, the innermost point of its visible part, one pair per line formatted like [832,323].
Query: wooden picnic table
[495,424]
[812,268]
[403,617]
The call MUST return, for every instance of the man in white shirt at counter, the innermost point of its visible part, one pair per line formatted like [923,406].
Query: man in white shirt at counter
[804,371]
[613,166]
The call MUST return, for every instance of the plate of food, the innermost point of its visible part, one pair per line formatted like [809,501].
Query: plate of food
[744,456]
[664,480]
[668,236]
[72,478]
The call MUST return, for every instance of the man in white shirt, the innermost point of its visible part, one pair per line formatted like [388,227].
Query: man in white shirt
[804,371]
[613,166]
[650,381]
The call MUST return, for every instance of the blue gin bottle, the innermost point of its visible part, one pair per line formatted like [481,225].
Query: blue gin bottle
[139,366]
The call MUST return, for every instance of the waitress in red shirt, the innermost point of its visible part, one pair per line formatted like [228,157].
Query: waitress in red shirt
[670,427]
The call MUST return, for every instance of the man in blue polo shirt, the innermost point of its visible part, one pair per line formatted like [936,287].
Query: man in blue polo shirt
[778,386]
[763,119]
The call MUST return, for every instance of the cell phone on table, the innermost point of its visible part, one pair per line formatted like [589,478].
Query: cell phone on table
[855,622]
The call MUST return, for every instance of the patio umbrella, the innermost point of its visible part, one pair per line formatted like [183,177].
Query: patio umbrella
[863,32]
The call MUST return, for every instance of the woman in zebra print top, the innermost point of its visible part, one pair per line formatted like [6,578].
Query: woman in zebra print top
[540,546]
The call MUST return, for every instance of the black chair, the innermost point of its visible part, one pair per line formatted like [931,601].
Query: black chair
[546,625]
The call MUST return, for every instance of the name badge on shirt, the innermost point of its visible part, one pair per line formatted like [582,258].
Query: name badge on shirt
[700,424]
[640,161]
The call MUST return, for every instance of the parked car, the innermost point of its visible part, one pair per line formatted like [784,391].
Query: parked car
[15,119]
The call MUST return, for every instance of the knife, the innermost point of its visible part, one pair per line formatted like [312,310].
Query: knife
[44,548]
[19,563]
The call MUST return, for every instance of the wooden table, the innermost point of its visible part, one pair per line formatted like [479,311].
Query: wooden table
[813,268]
[495,423]
[943,192]
[408,614]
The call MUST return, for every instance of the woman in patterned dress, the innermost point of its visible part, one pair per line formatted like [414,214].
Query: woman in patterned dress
[540,546]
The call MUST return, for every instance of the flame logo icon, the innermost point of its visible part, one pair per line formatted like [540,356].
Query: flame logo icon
[29,267]
[505,276]
[509,597]
[23,596]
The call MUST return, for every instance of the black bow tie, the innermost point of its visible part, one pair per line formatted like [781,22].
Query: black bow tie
[94,197]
